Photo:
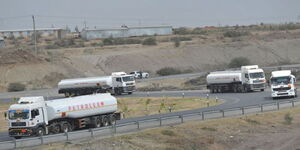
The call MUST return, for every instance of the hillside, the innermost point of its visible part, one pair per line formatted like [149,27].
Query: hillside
[19,63]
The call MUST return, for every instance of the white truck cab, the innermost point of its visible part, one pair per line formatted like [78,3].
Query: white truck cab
[27,116]
[283,84]
[253,77]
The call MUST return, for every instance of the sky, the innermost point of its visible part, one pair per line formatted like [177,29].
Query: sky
[17,14]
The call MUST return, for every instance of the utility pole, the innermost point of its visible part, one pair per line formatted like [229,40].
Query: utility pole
[34,32]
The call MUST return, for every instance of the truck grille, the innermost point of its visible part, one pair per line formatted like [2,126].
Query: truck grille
[17,124]
[258,85]
[282,89]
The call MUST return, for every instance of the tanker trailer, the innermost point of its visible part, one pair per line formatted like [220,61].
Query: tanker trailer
[117,83]
[33,116]
[249,78]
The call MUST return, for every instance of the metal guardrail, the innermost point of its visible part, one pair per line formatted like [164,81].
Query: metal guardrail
[152,122]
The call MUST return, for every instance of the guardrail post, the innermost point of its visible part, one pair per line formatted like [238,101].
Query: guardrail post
[181,117]
[42,140]
[160,122]
[67,135]
[262,108]
[147,94]
[217,99]
[92,133]
[202,115]
[277,105]
[15,143]
[207,104]
[207,96]
[182,95]
[223,113]
[138,125]
[293,104]
[243,111]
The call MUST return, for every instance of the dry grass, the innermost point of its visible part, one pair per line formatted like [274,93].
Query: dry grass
[219,134]
[133,107]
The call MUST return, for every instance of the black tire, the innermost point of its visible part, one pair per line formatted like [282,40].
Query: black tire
[129,93]
[97,122]
[112,119]
[105,121]
[40,131]
[17,137]
[55,128]
[262,90]
[66,127]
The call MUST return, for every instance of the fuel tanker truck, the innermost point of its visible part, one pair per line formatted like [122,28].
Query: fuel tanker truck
[249,78]
[117,83]
[33,116]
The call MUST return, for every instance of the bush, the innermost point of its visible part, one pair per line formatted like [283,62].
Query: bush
[13,87]
[168,71]
[238,62]
[181,31]
[235,33]
[288,118]
[177,43]
[107,42]
[167,132]
[181,39]
[149,41]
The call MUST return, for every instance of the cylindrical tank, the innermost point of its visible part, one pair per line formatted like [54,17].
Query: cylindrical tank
[223,77]
[81,106]
[105,81]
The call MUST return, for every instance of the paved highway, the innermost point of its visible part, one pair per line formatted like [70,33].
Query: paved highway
[230,100]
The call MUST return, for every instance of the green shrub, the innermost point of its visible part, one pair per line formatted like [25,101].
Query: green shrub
[13,87]
[168,132]
[133,41]
[149,41]
[235,33]
[238,62]
[288,118]
[168,71]
[107,41]
[176,43]
[199,31]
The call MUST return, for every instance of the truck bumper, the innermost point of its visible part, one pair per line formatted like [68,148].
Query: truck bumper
[258,86]
[20,132]
[283,93]
[128,89]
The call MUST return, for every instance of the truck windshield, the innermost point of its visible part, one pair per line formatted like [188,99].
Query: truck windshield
[281,80]
[128,78]
[257,75]
[18,114]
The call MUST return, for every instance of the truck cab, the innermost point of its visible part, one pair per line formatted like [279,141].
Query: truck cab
[123,83]
[253,78]
[283,84]
[28,117]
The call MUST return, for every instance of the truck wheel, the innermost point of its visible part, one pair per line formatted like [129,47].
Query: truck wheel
[65,126]
[105,121]
[17,137]
[262,90]
[112,119]
[97,123]
[55,128]
[40,131]
[129,93]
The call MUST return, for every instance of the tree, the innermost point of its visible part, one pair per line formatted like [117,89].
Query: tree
[238,62]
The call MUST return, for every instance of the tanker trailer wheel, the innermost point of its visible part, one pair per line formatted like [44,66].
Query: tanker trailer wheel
[105,121]
[112,119]
[66,126]
[97,122]
[40,131]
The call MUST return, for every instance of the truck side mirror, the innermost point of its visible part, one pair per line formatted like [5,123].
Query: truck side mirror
[246,76]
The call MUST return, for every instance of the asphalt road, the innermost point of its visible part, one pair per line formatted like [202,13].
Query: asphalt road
[231,100]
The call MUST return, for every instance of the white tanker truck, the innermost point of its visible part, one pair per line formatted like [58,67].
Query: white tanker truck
[247,79]
[117,83]
[33,116]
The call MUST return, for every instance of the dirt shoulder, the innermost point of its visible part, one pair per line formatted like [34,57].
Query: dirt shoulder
[252,132]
